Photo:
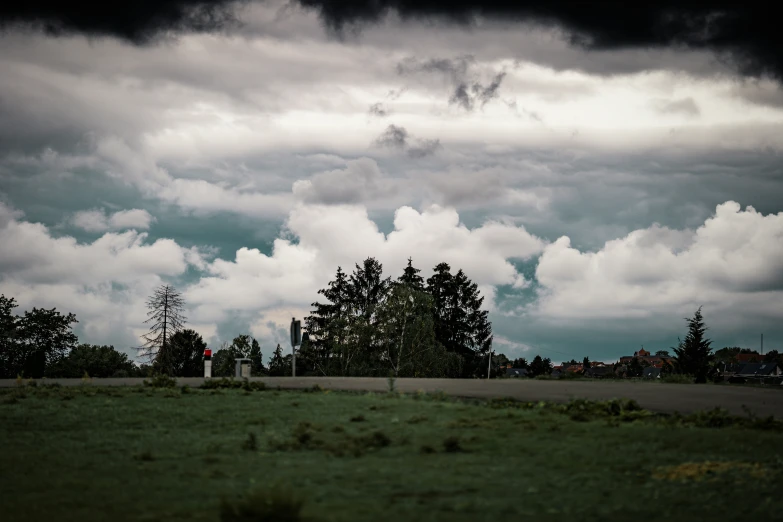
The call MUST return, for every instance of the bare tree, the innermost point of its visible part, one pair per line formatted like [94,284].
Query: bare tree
[165,313]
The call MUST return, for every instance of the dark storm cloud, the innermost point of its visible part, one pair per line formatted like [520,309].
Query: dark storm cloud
[398,138]
[137,21]
[466,94]
[746,35]
[377,109]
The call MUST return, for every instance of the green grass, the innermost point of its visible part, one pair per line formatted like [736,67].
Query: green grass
[149,454]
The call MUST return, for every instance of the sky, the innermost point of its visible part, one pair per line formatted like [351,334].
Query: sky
[599,172]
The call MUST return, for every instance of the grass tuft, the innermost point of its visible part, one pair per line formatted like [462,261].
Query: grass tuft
[251,443]
[451,444]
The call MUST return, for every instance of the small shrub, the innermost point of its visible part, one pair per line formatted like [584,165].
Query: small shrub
[376,439]
[427,450]
[264,505]
[160,381]
[358,418]
[451,445]
[677,378]
[145,456]
[250,444]
[185,389]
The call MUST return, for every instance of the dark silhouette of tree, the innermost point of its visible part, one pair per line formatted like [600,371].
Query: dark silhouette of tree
[410,276]
[460,323]
[96,361]
[519,363]
[693,355]
[45,336]
[256,359]
[662,353]
[586,363]
[540,366]
[165,313]
[184,356]
[9,348]
[278,366]
[635,368]
[328,329]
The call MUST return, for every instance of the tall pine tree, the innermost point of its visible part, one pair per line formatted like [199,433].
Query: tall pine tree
[327,327]
[694,354]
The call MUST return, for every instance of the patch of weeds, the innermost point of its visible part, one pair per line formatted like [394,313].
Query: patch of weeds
[185,389]
[315,389]
[231,384]
[416,419]
[211,459]
[466,423]
[698,471]
[427,450]
[338,429]
[376,439]
[295,404]
[274,504]
[67,395]
[160,381]
[258,422]
[251,443]
[86,379]
[438,396]
[358,418]
[171,393]
[451,444]
[145,456]
[677,378]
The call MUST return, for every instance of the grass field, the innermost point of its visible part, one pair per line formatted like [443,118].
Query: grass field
[96,454]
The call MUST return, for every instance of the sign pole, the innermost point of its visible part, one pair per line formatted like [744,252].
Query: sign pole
[296,339]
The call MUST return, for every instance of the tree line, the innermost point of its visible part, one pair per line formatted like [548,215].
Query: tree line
[371,325]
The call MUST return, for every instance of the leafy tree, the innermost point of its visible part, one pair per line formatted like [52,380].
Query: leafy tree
[278,366]
[44,337]
[184,356]
[540,366]
[519,363]
[165,313]
[241,347]
[407,336]
[694,355]
[635,368]
[662,353]
[772,356]
[666,367]
[586,363]
[96,361]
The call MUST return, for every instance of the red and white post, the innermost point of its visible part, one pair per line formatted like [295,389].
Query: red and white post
[207,363]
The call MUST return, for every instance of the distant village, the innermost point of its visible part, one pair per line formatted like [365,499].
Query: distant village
[736,368]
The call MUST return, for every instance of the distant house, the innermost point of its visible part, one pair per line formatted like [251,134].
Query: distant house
[516,372]
[651,373]
[643,355]
[769,369]
[599,372]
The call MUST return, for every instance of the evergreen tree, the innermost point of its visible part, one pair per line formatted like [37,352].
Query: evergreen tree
[410,276]
[328,327]
[278,366]
[693,355]
[460,323]
[520,363]
[367,290]
[586,363]
[257,359]
[635,369]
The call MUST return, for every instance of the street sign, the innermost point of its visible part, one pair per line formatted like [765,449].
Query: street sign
[296,332]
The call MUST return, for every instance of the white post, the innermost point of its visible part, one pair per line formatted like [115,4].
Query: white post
[207,363]
[489,364]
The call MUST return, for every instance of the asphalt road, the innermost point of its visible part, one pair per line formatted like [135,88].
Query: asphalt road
[683,398]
